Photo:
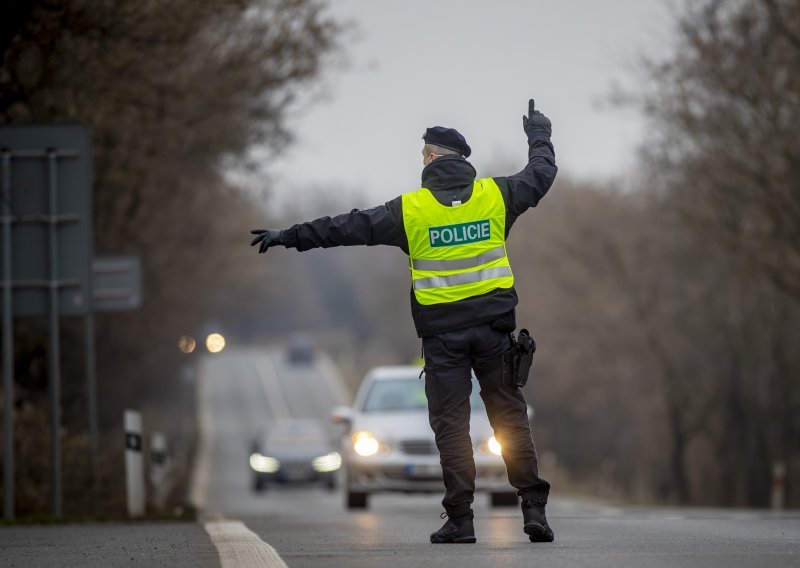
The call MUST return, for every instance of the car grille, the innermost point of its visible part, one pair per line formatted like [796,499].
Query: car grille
[419,447]
[405,473]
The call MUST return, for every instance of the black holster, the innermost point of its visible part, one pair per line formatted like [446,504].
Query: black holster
[517,361]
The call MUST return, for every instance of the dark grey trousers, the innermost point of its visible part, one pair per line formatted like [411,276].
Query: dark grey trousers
[449,359]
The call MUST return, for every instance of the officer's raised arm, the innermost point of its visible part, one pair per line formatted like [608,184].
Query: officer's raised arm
[525,189]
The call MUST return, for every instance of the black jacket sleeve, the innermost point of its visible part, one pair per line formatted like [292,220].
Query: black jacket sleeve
[524,189]
[382,225]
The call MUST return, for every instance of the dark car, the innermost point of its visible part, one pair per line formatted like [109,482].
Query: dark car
[300,350]
[294,451]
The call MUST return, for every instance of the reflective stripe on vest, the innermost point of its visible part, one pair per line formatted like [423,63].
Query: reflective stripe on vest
[459,263]
[463,278]
[457,252]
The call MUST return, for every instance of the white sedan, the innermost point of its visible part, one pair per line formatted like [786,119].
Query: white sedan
[389,446]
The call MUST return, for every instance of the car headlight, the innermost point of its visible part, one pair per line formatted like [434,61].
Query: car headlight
[494,446]
[365,444]
[328,462]
[264,464]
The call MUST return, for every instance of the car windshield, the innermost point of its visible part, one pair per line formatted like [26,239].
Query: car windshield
[405,394]
[295,433]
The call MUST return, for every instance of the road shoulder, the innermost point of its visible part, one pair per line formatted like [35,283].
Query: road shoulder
[173,545]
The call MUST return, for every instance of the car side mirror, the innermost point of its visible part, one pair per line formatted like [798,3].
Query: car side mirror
[531,412]
[342,415]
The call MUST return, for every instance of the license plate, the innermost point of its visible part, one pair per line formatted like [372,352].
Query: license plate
[297,474]
[423,470]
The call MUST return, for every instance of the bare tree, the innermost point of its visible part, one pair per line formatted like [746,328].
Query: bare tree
[173,93]
[725,109]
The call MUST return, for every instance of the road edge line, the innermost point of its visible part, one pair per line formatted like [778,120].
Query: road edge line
[335,380]
[238,546]
[267,373]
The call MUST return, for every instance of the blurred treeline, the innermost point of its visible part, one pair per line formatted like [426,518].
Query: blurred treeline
[175,93]
[666,307]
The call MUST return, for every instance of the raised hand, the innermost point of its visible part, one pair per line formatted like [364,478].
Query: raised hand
[536,122]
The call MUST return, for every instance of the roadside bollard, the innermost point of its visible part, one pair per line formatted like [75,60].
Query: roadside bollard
[160,470]
[778,485]
[134,463]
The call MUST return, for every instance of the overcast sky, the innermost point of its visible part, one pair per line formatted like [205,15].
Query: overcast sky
[472,65]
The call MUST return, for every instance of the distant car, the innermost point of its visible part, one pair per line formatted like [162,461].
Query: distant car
[300,350]
[294,451]
[389,445]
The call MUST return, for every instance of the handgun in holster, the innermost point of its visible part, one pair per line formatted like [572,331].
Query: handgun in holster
[517,361]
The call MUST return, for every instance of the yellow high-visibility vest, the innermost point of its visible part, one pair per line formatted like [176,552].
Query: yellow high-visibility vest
[457,252]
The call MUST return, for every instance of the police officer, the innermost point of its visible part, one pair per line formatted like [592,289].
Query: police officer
[454,230]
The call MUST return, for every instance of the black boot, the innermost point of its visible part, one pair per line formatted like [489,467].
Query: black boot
[536,522]
[456,529]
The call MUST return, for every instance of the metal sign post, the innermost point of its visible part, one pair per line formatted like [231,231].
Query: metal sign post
[8,348]
[91,395]
[116,285]
[54,352]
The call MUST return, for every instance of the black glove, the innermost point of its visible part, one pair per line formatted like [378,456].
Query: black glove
[536,122]
[267,238]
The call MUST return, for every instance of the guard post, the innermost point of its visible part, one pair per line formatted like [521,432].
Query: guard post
[160,470]
[134,463]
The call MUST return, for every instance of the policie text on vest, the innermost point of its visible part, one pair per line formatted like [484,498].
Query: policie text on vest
[459,234]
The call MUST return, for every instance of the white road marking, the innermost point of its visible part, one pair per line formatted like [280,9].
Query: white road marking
[328,370]
[239,547]
[268,374]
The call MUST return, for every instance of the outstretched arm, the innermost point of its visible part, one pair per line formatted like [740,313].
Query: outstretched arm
[526,188]
[382,225]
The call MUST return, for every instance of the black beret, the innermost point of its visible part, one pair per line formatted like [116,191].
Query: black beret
[449,138]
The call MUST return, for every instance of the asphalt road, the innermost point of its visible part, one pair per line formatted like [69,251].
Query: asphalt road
[242,390]
[309,526]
